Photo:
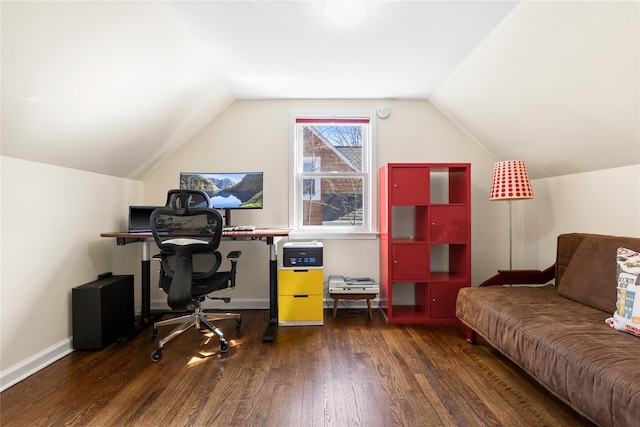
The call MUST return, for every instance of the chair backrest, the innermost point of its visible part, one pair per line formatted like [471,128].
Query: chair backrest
[201,224]
[188,237]
[183,217]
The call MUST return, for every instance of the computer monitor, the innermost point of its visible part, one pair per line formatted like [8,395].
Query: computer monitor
[231,190]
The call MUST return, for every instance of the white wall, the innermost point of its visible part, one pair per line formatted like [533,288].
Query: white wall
[600,202]
[52,218]
[255,136]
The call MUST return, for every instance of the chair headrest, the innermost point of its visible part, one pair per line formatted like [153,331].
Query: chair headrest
[183,200]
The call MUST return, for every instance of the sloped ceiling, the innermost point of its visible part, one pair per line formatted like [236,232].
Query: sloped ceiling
[557,84]
[107,87]
[114,87]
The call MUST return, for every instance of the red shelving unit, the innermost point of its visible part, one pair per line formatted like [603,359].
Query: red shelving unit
[425,240]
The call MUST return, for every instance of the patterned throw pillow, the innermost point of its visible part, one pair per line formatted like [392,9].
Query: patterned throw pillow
[627,315]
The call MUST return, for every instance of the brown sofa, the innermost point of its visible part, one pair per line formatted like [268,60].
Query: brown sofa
[557,332]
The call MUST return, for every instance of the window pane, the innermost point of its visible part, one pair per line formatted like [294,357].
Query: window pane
[338,147]
[310,186]
[338,203]
[310,189]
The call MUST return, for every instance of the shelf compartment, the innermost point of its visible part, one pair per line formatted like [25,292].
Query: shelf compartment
[409,185]
[408,261]
[408,314]
[449,223]
[449,184]
[410,222]
[449,262]
[442,299]
[410,301]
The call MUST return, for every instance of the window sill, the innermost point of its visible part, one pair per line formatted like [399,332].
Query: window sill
[328,235]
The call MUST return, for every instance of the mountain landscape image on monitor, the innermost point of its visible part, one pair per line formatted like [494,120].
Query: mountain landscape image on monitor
[227,190]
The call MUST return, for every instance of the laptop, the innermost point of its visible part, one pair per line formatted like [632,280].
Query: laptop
[140,218]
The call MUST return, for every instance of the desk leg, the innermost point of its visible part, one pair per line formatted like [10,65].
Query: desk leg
[145,287]
[145,303]
[270,333]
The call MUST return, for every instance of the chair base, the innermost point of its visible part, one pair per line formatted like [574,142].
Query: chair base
[198,319]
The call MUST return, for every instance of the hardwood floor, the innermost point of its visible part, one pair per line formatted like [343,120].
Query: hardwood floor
[349,372]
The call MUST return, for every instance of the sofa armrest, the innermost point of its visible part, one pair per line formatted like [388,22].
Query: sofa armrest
[524,277]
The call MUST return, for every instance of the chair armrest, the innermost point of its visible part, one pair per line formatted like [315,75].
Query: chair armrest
[524,277]
[233,256]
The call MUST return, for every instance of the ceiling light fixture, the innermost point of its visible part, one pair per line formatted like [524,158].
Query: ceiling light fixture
[344,13]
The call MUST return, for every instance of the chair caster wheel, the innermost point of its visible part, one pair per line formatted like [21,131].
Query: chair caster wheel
[156,355]
[154,333]
[238,323]
[224,345]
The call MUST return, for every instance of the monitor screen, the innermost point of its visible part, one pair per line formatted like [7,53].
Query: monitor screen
[239,190]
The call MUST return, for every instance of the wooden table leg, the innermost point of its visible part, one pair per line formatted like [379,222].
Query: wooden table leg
[351,297]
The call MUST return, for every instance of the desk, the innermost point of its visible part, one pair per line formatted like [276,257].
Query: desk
[259,234]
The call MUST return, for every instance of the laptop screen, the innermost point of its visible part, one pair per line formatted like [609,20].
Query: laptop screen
[139,217]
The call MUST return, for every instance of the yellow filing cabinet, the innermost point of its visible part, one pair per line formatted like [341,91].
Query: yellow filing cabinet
[300,296]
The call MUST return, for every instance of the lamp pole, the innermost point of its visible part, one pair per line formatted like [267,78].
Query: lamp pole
[510,238]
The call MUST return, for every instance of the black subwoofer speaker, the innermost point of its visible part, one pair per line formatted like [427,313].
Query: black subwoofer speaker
[102,311]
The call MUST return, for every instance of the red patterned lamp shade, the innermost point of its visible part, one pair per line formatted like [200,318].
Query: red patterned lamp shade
[510,181]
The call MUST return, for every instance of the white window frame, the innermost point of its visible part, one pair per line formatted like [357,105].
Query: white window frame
[368,229]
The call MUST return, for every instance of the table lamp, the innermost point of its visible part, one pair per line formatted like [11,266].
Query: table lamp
[510,182]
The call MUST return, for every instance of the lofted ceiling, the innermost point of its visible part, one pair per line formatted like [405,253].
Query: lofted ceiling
[557,84]
[554,83]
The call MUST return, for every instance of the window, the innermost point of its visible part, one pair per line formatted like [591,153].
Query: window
[333,174]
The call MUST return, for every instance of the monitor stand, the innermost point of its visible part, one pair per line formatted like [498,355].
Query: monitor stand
[227,217]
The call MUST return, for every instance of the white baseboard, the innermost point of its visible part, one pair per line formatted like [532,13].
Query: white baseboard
[30,366]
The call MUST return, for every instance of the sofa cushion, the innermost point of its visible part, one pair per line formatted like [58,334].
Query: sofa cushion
[567,245]
[590,277]
[627,315]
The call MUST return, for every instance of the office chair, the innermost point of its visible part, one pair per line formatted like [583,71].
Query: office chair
[188,236]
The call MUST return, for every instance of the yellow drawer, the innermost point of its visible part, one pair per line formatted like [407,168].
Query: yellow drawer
[300,310]
[300,282]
